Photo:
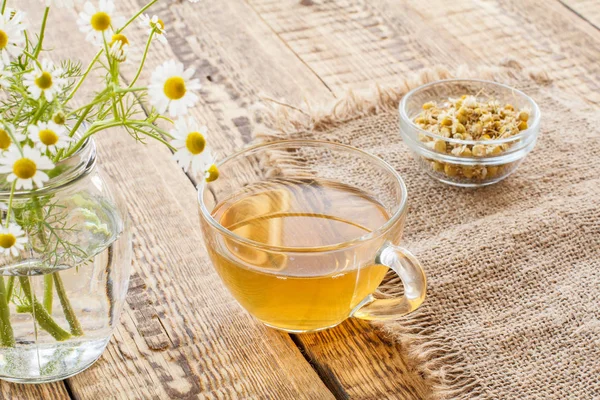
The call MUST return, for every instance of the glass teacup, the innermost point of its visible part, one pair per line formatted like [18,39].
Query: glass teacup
[302,233]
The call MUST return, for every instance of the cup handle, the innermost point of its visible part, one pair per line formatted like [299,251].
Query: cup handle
[411,273]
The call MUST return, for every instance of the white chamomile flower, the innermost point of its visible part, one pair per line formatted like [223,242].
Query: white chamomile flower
[154,24]
[49,136]
[172,88]
[7,134]
[119,47]
[189,139]
[12,36]
[12,240]
[98,23]
[47,80]
[25,169]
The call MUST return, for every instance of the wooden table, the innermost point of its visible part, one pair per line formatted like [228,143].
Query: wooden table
[181,334]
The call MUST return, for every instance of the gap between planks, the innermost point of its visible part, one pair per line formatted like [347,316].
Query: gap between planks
[577,13]
[325,374]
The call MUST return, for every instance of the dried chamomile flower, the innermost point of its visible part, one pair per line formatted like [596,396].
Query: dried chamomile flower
[470,118]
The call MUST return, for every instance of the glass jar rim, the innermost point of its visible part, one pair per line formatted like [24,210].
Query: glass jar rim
[87,161]
[531,130]
[318,249]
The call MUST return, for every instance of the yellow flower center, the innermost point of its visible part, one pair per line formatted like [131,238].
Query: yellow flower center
[175,88]
[24,168]
[195,143]
[119,37]
[7,240]
[160,24]
[212,174]
[3,39]
[5,140]
[48,137]
[100,21]
[44,81]
[59,118]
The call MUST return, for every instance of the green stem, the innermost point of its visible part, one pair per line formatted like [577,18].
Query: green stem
[154,127]
[10,287]
[130,20]
[15,141]
[18,113]
[49,281]
[100,98]
[7,337]
[48,295]
[40,111]
[42,31]
[10,202]
[42,317]
[88,108]
[29,55]
[84,76]
[112,124]
[139,71]
[24,309]
[89,133]
[3,6]
[169,120]
[158,138]
[76,329]
[81,119]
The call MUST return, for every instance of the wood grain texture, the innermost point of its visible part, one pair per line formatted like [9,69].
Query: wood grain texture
[535,33]
[354,43]
[226,61]
[347,43]
[14,391]
[238,60]
[589,10]
[357,362]
[182,335]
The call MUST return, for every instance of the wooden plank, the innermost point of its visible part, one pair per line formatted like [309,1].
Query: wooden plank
[354,43]
[534,33]
[357,362]
[347,43]
[56,390]
[182,335]
[586,9]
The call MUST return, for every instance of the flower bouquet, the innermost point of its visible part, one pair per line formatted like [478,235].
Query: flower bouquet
[65,247]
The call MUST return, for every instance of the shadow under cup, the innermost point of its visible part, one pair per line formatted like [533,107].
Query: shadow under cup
[303,232]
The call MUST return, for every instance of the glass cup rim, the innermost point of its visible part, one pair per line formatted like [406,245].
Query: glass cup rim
[314,143]
[531,129]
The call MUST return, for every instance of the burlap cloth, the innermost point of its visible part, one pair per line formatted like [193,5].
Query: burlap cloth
[513,307]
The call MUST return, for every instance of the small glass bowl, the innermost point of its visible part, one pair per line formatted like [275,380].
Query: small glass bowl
[467,171]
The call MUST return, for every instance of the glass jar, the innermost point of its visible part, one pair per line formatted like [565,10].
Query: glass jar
[62,293]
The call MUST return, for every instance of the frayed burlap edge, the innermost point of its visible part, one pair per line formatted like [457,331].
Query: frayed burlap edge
[433,355]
